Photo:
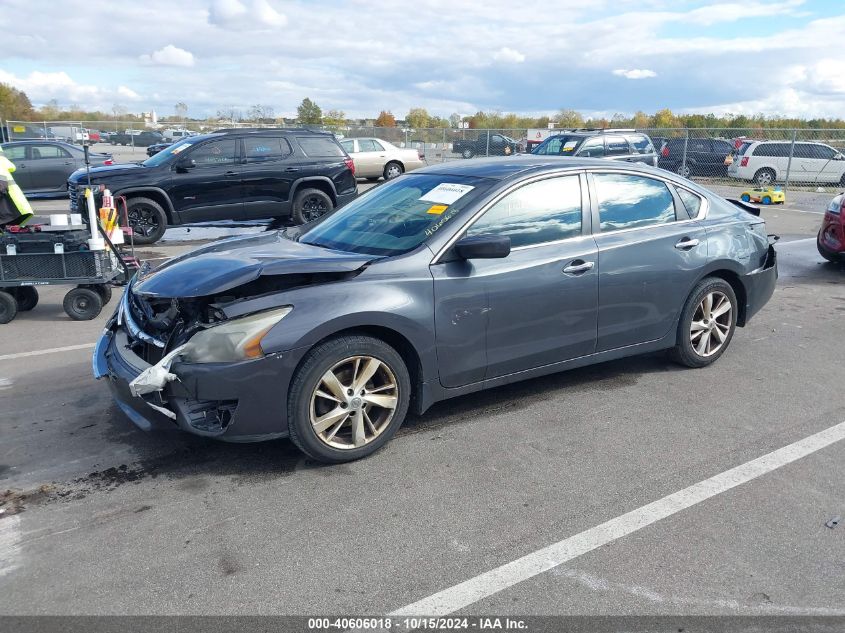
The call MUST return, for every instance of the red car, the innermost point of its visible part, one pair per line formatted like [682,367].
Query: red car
[831,240]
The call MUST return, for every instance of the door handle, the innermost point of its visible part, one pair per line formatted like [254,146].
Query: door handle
[230,173]
[291,168]
[686,244]
[578,266]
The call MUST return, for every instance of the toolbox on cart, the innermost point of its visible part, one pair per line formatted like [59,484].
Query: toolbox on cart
[30,242]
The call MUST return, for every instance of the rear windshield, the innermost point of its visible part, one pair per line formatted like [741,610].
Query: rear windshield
[319,146]
[558,146]
[398,216]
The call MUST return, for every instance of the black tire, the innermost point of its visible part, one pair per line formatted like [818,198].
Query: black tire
[467,153]
[82,304]
[147,220]
[684,171]
[684,352]
[831,256]
[8,307]
[318,362]
[104,290]
[764,177]
[310,205]
[393,169]
[27,298]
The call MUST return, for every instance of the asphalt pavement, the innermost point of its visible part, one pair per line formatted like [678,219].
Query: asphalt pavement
[110,520]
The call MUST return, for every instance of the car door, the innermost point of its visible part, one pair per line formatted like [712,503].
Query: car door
[616,148]
[206,182]
[371,156]
[827,168]
[718,154]
[642,150]
[48,166]
[269,170]
[539,302]
[650,254]
[593,147]
[18,155]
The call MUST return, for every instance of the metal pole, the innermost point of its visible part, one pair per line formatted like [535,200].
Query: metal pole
[684,159]
[789,162]
[488,143]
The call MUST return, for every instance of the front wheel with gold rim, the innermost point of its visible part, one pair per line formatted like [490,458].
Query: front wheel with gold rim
[348,398]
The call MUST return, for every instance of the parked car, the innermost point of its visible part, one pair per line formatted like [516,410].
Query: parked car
[831,237]
[141,139]
[455,278]
[487,144]
[627,145]
[154,149]
[766,162]
[230,174]
[695,156]
[70,133]
[43,167]
[175,134]
[376,158]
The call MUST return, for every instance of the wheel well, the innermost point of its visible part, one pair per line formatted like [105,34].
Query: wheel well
[739,290]
[152,195]
[398,342]
[398,162]
[322,185]
[771,169]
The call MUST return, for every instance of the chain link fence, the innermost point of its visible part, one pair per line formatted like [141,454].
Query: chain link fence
[798,159]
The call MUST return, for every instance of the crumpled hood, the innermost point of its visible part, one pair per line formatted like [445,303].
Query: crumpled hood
[230,263]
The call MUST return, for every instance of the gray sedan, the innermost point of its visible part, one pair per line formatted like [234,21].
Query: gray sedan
[455,278]
[43,167]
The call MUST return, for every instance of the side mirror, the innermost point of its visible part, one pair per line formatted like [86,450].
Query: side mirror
[839,157]
[483,247]
[186,164]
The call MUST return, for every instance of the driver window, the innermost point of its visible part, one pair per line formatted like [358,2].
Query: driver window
[215,153]
[544,211]
[592,148]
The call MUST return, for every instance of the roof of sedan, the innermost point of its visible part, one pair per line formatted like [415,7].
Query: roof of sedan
[501,168]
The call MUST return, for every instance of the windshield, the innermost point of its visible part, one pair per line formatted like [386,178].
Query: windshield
[164,155]
[558,146]
[398,216]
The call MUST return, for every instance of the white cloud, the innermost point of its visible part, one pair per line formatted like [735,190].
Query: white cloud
[41,87]
[509,55]
[169,56]
[635,73]
[245,16]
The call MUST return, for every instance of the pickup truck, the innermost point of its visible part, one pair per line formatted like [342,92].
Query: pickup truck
[142,139]
[499,145]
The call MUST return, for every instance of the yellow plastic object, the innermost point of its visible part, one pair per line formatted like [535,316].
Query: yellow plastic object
[764,195]
[15,193]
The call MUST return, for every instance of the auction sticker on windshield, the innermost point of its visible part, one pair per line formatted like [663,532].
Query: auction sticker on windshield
[447,192]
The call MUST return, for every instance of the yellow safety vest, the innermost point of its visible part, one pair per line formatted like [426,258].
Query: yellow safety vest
[15,193]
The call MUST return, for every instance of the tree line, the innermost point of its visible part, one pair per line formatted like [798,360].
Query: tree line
[16,105]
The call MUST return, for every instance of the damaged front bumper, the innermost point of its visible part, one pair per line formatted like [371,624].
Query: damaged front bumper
[239,402]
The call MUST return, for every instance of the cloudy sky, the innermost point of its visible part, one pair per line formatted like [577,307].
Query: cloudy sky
[596,56]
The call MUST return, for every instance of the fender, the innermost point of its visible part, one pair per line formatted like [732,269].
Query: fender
[173,215]
[301,181]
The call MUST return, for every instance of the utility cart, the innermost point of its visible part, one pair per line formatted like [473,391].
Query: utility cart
[92,273]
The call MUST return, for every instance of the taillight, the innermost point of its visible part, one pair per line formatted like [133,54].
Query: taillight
[108,161]
[351,164]
[665,151]
[744,162]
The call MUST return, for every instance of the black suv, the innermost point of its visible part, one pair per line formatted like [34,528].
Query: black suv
[626,145]
[239,174]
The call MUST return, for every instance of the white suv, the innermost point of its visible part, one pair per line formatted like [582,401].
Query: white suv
[765,162]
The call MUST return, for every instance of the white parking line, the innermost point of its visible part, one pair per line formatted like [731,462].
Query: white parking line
[10,537]
[42,352]
[493,581]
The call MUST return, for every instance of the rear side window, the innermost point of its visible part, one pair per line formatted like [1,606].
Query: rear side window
[557,146]
[692,203]
[627,202]
[348,146]
[260,149]
[540,212]
[641,143]
[777,150]
[48,151]
[370,145]
[616,146]
[320,146]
